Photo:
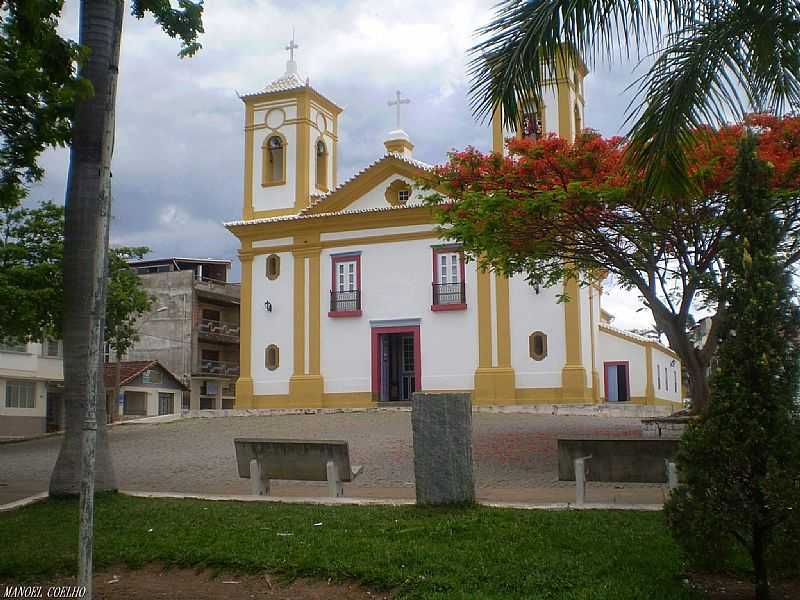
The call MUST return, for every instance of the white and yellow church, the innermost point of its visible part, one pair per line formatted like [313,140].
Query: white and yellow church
[351,298]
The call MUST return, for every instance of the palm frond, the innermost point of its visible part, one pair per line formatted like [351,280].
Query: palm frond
[526,40]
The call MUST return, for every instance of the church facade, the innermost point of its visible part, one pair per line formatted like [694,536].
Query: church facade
[350,297]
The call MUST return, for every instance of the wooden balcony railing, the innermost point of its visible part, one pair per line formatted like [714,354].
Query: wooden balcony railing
[219,367]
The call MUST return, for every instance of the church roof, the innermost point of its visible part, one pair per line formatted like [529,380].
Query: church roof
[635,337]
[289,81]
[319,198]
[304,216]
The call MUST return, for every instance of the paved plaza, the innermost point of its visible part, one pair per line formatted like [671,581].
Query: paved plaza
[515,456]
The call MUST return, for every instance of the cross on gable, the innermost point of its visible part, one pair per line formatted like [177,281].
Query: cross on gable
[398,101]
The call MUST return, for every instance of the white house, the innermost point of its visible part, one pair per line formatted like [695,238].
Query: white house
[349,297]
[31,377]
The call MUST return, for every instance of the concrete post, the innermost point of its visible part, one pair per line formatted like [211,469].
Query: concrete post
[442,428]
[335,487]
[259,485]
[580,480]
[672,475]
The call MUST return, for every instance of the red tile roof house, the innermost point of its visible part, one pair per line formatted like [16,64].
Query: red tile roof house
[147,388]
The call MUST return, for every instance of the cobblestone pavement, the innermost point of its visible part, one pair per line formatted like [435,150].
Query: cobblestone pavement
[515,455]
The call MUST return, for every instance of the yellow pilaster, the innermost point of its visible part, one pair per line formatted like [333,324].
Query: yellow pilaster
[649,390]
[244,385]
[306,387]
[566,127]
[494,384]
[247,209]
[303,156]
[497,130]
[573,375]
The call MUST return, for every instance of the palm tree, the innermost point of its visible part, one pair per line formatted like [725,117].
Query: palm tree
[713,60]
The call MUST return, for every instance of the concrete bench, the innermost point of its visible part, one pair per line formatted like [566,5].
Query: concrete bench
[622,460]
[261,460]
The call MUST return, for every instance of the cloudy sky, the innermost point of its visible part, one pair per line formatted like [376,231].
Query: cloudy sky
[179,145]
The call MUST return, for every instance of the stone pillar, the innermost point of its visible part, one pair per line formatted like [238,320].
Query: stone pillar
[442,427]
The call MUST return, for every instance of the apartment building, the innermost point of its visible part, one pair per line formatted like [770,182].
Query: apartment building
[193,327]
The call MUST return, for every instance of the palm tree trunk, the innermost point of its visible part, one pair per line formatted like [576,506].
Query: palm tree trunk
[87,213]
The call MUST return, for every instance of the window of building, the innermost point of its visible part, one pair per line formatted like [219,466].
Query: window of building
[20,394]
[51,349]
[345,285]
[449,290]
[322,166]
[537,345]
[152,376]
[272,357]
[273,267]
[274,161]
[658,371]
[532,125]
[8,345]
[403,196]
[398,192]
[675,380]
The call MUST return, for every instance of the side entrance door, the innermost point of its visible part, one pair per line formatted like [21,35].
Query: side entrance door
[617,381]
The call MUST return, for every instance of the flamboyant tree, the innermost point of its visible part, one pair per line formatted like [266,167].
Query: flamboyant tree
[552,210]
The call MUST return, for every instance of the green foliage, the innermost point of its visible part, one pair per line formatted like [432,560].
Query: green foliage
[31,285]
[126,299]
[184,22]
[417,553]
[741,460]
[38,90]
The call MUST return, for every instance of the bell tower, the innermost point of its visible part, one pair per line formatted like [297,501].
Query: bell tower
[290,149]
[562,104]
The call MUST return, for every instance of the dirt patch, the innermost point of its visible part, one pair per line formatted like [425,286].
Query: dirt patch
[155,582]
[727,587]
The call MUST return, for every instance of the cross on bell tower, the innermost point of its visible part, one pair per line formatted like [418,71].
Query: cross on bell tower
[398,101]
[291,65]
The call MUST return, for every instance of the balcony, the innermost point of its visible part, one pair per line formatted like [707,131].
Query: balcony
[345,304]
[449,296]
[217,290]
[219,368]
[219,331]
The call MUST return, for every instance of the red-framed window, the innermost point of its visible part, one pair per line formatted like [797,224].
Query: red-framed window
[345,285]
[449,287]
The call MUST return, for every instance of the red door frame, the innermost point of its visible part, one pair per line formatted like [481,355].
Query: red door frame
[376,355]
[617,363]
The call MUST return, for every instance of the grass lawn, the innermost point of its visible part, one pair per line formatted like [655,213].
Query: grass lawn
[419,553]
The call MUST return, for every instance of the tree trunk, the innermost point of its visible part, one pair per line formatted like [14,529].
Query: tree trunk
[87,212]
[757,554]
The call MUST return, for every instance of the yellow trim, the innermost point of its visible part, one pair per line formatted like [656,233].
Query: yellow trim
[268,99]
[299,314]
[404,147]
[494,385]
[249,138]
[649,390]
[503,309]
[593,344]
[348,400]
[393,190]
[644,343]
[334,223]
[244,385]
[303,157]
[354,189]
[566,127]
[314,313]
[484,319]
[359,241]
[573,375]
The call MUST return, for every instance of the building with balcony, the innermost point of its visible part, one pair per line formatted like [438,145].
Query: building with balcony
[352,295]
[31,386]
[193,327]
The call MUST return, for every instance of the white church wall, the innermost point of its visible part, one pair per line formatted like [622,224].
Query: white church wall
[550,99]
[347,235]
[532,312]
[614,349]
[396,284]
[274,196]
[666,376]
[272,327]
[376,197]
